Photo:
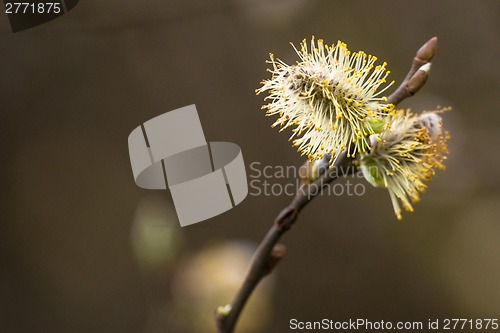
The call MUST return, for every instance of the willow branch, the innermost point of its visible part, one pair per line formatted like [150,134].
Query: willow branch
[269,253]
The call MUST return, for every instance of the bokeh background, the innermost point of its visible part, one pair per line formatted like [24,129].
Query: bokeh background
[82,249]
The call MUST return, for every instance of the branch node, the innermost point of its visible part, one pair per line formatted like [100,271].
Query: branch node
[277,254]
[286,218]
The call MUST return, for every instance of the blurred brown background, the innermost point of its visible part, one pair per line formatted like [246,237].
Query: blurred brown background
[82,249]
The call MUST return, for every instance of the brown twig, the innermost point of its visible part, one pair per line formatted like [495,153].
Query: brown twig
[418,74]
[269,252]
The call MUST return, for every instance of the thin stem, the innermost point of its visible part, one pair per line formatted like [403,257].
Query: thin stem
[269,252]
[417,75]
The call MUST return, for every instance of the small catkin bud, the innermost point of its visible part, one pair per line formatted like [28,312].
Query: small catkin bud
[428,50]
[418,79]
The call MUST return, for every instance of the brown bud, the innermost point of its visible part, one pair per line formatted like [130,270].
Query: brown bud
[417,81]
[428,50]
[277,253]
